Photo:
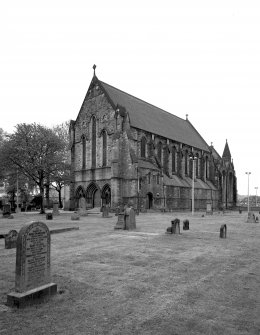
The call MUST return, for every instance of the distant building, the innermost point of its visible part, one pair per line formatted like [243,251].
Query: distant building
[124,149]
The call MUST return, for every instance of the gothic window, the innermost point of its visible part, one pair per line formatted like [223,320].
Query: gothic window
[94,140]
[165,158]
[158,179]
[173,159]
[143,147]
[159,151]
[104,148]
[197,166]
[83,152]
[207,167]
[149,178]
[186,162]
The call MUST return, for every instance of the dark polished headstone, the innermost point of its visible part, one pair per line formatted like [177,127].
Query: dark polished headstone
[223,231]
[186,225]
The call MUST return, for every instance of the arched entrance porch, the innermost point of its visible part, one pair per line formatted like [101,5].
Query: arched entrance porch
[93,196]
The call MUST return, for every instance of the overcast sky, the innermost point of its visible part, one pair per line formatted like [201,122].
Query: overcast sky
[200,58]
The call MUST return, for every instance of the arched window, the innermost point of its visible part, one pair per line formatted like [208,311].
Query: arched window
[143,147]
[186,162]
[94,140]
[165,159]
[197,166]
[159,151]
[173,159]
[104,148]
[207,167]
[83,152]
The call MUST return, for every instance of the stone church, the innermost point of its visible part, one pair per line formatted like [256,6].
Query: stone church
[127,151]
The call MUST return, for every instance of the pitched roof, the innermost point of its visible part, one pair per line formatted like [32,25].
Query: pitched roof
[155,120]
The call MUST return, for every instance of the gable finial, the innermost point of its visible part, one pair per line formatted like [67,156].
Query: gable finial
[187,115]
[94,68]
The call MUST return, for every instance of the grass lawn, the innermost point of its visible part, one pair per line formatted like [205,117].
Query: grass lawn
[144,281]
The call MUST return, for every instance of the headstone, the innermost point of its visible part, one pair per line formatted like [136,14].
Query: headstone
[186,225]
[49,216]
[130,222]
[209,210]
[82,211]
[75,217]
[32,273]
[105,211]
[223,231]
[10,239]
[250,218]
[55,210]
[256,219]
[175,228]
[6,210]
[120,221]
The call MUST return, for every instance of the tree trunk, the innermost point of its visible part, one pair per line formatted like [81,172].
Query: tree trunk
[42,196]
[47,187]
[60,201]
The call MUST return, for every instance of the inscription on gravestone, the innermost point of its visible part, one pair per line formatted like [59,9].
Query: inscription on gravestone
[32,257]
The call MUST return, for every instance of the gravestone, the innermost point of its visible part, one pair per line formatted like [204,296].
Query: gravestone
[82,211]
[223,231]
[55,210]
[209,210]
[120,221]
[130,222]
[175,228]
[186,225]
[75,217]
[10,239]
[257,219]
[250,218]
[49,216]
[32,273]
[105,211]
[6,210]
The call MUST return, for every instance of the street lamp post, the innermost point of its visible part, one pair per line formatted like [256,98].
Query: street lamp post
[256,188]
[248,174]
[193,158]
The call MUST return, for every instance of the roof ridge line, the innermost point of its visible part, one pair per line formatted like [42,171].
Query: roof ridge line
[142,100]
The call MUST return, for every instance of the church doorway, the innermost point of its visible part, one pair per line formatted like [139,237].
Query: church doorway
[93,196]
[149,200]
[96,199]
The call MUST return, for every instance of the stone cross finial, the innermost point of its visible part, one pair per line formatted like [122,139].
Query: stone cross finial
[187,116]
[94,68]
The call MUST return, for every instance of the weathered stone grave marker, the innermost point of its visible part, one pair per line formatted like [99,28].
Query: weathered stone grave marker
[49,216]
[32,273]
[130,222]
[175,228]
[10,239]
[120,221]
[223,231]
[6,210]
[75,217]
[186,225]
[55,210]
[251,217]
[105,211]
